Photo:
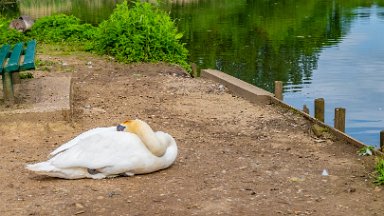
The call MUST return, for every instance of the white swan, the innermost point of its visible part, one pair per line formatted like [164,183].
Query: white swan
[128,149]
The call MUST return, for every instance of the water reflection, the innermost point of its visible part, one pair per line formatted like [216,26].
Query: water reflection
[350,75]
[40,8]
[91,11]
[261,41]
[9,9]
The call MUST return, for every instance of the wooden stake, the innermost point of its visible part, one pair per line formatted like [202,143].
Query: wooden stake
[279,90]
[319,109]
[195,72]
[340,119]
[16,77]
[8,88]
[382,140]
[305,109]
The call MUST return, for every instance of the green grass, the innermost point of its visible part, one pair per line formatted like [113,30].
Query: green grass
[25,75]
[366,151]
[379,169]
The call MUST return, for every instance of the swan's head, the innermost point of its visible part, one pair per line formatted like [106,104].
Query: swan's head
[132,126]
[145,133]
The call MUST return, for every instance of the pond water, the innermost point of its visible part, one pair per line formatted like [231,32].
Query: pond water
[92,11]
[320,49]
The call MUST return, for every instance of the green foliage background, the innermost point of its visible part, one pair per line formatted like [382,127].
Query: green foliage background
[140,33]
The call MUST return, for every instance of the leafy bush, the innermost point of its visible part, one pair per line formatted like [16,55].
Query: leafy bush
[9,35]
[140,33]
[56,28]
[61,28]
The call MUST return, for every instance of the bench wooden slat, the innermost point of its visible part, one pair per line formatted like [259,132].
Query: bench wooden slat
[4,53]
[13,63]
[29,56]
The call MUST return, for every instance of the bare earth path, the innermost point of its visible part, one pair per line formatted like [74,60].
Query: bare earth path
[235,157]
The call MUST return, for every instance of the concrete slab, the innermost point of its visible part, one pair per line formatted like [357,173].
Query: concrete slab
[238,87]
[43,95]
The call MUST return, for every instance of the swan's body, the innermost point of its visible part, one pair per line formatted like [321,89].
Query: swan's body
[94,131]
[106,152]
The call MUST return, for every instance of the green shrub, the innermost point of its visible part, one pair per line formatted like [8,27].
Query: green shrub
[7,35]
[140,34]
[57,28]
[61,28]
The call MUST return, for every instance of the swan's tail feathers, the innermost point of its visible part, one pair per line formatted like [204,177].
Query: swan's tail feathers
[43,167]
[46,168]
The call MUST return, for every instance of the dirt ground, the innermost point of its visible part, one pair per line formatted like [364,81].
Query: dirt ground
[235,157]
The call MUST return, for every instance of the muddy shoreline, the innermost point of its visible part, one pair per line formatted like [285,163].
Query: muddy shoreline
[235,157]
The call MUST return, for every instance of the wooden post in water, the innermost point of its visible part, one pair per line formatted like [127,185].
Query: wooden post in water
[382,140]
[319,109]
[305,109]
[340,119]
[8,88]
[279,90]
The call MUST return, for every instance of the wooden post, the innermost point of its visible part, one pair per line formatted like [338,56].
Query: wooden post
[15,77]
[8,88]
[305,109]
[319,109]
[382,140]
[279,90]
[195,72]
[340,119]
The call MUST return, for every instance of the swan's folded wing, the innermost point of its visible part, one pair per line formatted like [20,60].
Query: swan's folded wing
[84,135]
[97,151]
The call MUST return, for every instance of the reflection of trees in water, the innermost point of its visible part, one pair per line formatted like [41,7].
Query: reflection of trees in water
[9,9]
[92,11]
[40,8]
[261,42]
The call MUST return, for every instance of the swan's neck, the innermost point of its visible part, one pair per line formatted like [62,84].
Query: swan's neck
[170,155]
[148,137]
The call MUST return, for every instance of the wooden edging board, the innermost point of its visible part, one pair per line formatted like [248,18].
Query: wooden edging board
[258,95]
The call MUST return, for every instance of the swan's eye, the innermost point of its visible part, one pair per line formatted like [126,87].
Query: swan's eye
[120,127]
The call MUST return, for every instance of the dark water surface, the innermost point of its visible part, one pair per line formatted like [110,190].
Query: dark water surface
[320,49]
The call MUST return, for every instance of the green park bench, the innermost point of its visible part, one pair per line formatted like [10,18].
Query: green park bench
[20,58]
